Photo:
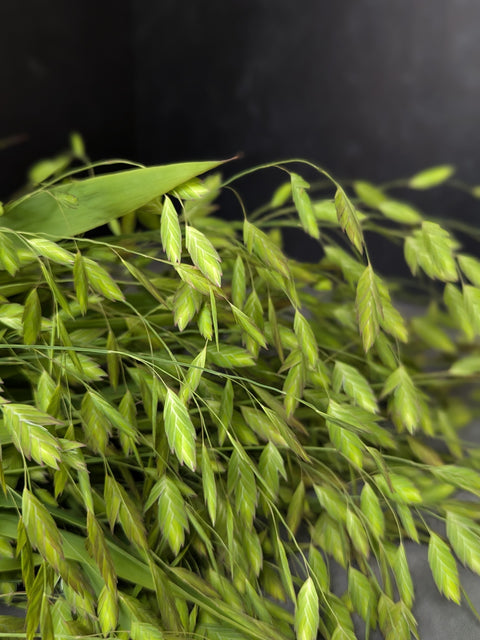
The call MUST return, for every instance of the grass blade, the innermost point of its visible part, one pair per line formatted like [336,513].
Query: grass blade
[74,208]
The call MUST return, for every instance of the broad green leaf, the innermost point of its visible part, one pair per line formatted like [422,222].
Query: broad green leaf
[307,614]
[179,430]
[355,385]
[431,177]
[444,568]
[203,254]
[304,205]
[170,231]
[369,307]
[95,201]
[400,212]
[348,218]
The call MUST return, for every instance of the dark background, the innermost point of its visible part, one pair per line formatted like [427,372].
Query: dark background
[367,88]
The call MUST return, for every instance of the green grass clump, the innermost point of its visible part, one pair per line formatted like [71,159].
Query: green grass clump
[196,428]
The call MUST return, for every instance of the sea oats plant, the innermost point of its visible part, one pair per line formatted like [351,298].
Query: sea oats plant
[198,429]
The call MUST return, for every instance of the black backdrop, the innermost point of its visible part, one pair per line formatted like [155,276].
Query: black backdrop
[64,65]
[367,88]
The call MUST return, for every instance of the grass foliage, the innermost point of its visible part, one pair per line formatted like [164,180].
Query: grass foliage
[197,430]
